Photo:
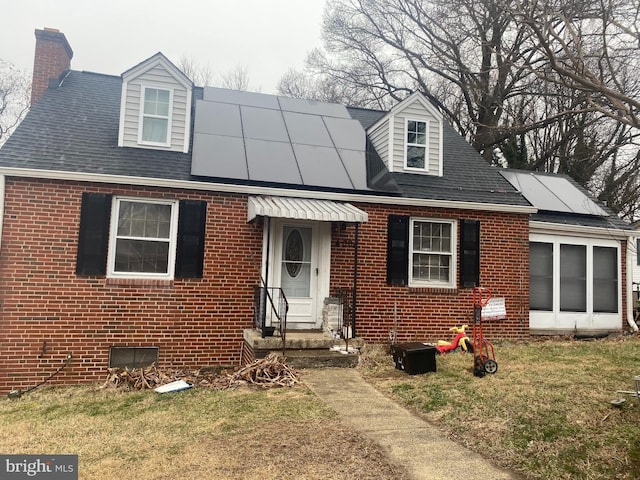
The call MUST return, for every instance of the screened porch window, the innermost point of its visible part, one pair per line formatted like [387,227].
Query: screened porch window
[573,278]
[541,276]
[605,279]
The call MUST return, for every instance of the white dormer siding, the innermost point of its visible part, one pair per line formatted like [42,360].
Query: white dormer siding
[167,126]
[390,136]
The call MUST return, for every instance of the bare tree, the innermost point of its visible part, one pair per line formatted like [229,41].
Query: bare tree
[199,74]
[542,84]
[15,93]
[592,46]
[237,79]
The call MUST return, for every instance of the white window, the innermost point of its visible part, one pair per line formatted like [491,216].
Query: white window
[431,258]
[155,116]
[143,238]
[416,145]
[573,277]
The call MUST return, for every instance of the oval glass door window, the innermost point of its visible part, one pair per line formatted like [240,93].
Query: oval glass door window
[295,278]
[294,253]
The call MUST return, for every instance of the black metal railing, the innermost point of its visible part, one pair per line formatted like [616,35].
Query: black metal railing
[270,306]
[347,317]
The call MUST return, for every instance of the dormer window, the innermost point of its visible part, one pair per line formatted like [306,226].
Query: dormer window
[416,145]
[155,116]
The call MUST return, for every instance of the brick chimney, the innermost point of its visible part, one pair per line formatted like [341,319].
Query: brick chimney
[52,57]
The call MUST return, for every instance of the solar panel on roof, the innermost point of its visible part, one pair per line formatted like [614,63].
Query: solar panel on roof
[218,119]
[271,162]
[307,129]
[263,124]
[251,99]
[300,105]
[252,136]
[218,156]
[555,194]
[346,133]
[321,166]
[570,195]
[535,192]
[355,163]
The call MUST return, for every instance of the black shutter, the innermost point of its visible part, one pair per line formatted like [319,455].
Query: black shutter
[470,253]
[190,248]
[398,250]
[93,238]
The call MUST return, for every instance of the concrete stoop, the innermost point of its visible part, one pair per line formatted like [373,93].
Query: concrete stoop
[305,349]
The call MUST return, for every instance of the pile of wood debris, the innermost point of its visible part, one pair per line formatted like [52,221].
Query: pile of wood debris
[270,371]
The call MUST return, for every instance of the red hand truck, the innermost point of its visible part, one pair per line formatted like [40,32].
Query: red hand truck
[483,363]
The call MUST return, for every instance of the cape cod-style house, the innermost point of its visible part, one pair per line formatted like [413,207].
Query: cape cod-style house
[146,219]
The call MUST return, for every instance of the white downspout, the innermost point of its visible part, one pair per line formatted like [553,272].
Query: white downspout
[630,320]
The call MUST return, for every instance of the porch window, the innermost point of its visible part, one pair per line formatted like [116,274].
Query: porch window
[573,278]
[416,147]
[155,116]
[541,275]
[431,260]
[605,279]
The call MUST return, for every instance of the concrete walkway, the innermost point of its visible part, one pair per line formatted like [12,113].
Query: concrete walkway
[408,440]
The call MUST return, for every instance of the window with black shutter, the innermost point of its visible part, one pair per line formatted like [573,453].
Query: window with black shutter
[148,239]
[398,250]
[470,253]
[93,237]
[191,231]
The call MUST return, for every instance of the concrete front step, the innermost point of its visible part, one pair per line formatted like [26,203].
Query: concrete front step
[304,349]
[319,358]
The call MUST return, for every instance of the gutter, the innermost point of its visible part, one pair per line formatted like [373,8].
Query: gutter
[255,190]
[561,228]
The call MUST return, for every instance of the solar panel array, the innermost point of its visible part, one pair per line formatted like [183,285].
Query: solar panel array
[269,138]
[552,193]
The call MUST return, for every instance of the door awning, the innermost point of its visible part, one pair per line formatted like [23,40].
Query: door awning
[304,209]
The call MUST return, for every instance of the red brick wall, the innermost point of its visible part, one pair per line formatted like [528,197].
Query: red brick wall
[47,311]
[426,314]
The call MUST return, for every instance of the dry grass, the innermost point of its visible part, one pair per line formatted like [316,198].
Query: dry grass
[196,434]
[545,413]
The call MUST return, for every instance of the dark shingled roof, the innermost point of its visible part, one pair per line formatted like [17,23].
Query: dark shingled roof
[467,176]
[74,128]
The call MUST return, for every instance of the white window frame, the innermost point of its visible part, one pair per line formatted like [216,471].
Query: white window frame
[452,254]
[172,240]
[142,116]
[589,243]
[408,144]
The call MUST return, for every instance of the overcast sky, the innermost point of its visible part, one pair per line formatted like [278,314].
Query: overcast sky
[266,36]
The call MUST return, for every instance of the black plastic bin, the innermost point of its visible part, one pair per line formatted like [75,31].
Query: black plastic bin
[414,357]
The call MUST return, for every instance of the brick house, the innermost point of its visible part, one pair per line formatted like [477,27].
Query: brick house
[145,219]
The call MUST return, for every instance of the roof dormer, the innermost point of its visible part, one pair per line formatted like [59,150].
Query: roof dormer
[409,137]
[155,106]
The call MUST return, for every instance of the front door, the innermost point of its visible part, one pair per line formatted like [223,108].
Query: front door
[299,255]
